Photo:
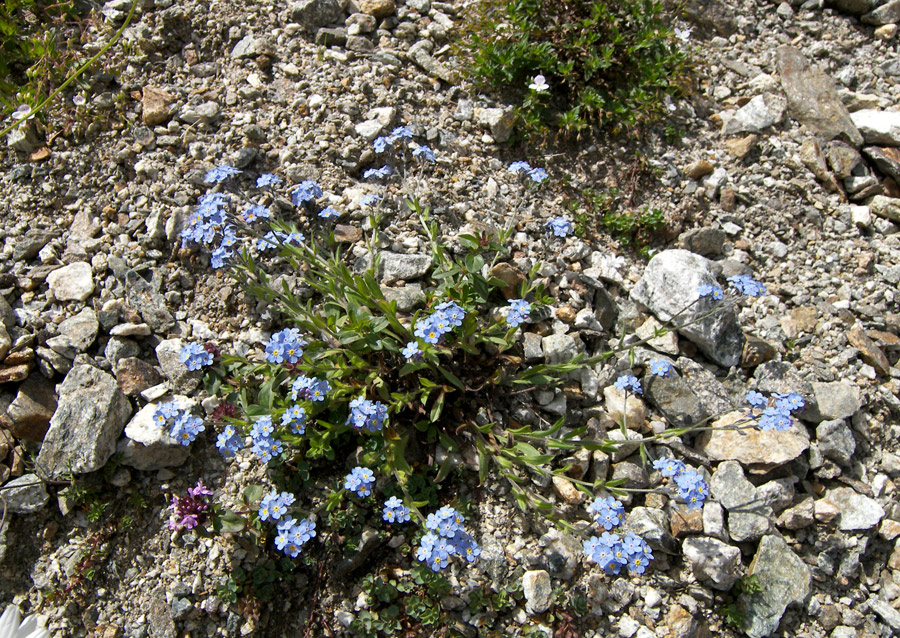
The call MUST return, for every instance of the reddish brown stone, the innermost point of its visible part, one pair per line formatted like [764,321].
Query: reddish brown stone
[134,376]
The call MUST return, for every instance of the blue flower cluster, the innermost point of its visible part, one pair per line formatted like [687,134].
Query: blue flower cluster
[560,227]
[382,143]
[446,316]
[306,191]
[220,174]
[776,414]
[360,481]
[517,312]
[273,505]
[613,552]
[710,290]
[378,173]
[628,382]
[267,179]
[659,367]
[265,446]
[195,356]
[329,213]
[182,426]
[228,442]
[207,219]
[255,213]
[536,175]
[295,418]
[423,154]
[367,415]
[304,387]
[692,489]
[446,537]
[746,285]
[369,200]
[607,512]
[395,511]
[292,536]
[285,346]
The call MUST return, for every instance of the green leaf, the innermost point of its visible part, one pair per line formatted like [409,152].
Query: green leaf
[438,407]
[252,493]
[231,522]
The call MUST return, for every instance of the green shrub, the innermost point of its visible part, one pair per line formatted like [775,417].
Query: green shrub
[608,65]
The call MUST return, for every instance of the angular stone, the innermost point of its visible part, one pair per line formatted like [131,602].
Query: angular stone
[168,353]
[835,440]
[842,158]
[155,105]
[420,53]
[651,525]
[713,562]
[250,46]
[673,397]
[5,342]
[813,100]
[537,590]
[74,282]
[756,352]
[812,157]
[147,446]
[313,14]
[30,412]
[135,375]
[696,170]
[869,351]
[684,521]
[667,342]
[670,285]
[331,37]
[748,515]
[890,615]
[118,349]
[499,121]
[378,8]
[11,374]
[799,516]
[25,495]
[631,408]
[752,446]
[76,334]
[741,147]
[887,13]
[836,400]
[703,241]
[784,579]
[397,266]
[142,297]
[886,159]
[559,348]
[854,7]
[758,114]
[369,129]
[89,418]
[782,377]
[857,512]
[878,127]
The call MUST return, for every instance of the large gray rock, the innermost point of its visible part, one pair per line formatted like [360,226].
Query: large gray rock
[784,579]
[499,121]
[25,495]
[143,297]
[674,399]
[420,53]
[168,353]
[886,158]
[652,525]
[91,414]
[670,284]
[782,377]
[836,441]
[147,446]
[855,7]
[748,514]
[559,348]
[813,99]
[74,282]
[887,13]
[713,562]
[836,400]
[76,334]
[30,412]
[397,266]
[856,510]
[313,14]
[878,127]
[751,446]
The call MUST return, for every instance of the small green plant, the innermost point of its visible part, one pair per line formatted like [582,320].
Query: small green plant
[602,65]
[635,229]
[732,611]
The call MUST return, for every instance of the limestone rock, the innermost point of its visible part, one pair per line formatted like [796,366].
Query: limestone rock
[147,446]
[752,446]
[857,511]
[155,105]
[89,418]
[748,515]
[25,495]
[878,127]
[713,562]
[30,412]
[74,282]
[669,285]
[784,579]
[538,591]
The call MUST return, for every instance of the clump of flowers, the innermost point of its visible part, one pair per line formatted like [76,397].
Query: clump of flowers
[517,312]
[360,481]
[446,537]
[612,552]
[628,383]
[395,511]
[659,368]
[607,512]
[560,227]
[191,510]
[195,356]
[446,316]
[275,505]
[182,425]
[746,285]
[228,442]
[265,446]
[285,346]
[292,536]
[691,487]
[775,413]
[304,387]
[367,415]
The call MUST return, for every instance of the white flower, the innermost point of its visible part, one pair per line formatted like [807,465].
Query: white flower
[78,100]
[683,34]
[21,113]
[539,84]
[12,625]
